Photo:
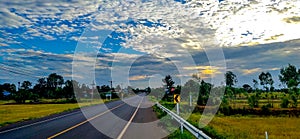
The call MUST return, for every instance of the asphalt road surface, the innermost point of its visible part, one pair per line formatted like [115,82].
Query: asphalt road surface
[129,119]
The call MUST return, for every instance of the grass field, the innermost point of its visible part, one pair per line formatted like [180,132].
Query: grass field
[11,113]
[253,127]
[250,126]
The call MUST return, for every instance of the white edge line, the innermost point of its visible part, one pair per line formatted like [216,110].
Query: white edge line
[129,122]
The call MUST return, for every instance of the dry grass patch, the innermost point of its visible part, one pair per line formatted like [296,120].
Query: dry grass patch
[255,127]
[19,112]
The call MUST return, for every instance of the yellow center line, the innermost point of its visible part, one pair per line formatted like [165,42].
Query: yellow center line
[128,123]
[79,124]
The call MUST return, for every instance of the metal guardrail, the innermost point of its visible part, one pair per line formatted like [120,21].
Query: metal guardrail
[183,123]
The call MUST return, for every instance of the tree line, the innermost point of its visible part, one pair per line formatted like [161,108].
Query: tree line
[52,87]
[289,77]
[260,88]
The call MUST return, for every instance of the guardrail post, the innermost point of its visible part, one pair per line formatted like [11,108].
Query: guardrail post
[177,107]
[184,124]
[191,99]
[181,127]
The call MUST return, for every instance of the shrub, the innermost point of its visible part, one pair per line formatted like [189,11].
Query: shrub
[226,110]
[284,102]
[295,101]
[253,101]
[265,109]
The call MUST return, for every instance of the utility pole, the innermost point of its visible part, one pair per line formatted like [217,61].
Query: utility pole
[93,84]
[110,84]
[110,88]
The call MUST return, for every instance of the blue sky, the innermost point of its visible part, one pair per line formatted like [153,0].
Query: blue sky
[138,42]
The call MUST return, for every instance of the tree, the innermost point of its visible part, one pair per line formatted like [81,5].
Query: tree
[289,73]
[26,85]
[76,88]
[68,90]
[191,86]
[11,88]
[8,87]
[83,90]
[148,90]
[54,80]
[168,81]
[54,85]
[41,88]
[265,80]
[255,84]
[204,92]
[230,78]
[24,93]
[247,88]
[103,88]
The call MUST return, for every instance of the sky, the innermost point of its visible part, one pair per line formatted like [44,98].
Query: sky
[137,43]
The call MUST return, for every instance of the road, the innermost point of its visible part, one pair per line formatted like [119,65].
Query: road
[129,118]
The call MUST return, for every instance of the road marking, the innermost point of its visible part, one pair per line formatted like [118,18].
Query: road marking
[39,122]
[128,123]
[79,124]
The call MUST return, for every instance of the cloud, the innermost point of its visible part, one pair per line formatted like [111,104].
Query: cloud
[251,71]
[9,19]
[3,44]
[140,77]
[169,30]
[28,64]
[231,23]
[47,19]
[205,72]
[257,22]
[293,20]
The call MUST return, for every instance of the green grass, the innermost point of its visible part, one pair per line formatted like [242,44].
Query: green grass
[167,122]
[11,113]
[251,127]
[178,135]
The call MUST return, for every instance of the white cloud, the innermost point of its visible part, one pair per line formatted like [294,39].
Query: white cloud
[230,19]
[258,22]
[9,19]
[180,28]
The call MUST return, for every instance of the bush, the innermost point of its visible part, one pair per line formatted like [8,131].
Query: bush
[226,110]
[294,100]
[159,112]
[265,109]
[284,102]
[253,101]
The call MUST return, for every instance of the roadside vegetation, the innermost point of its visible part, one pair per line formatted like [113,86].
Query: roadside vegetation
[54,87]
[245,112]
[251,126]
[12,113]
[51,95]
[171,125]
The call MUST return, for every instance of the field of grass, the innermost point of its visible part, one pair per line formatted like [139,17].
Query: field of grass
[11,113]
[252,127]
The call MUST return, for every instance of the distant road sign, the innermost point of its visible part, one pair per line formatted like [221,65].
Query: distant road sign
[176,98]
